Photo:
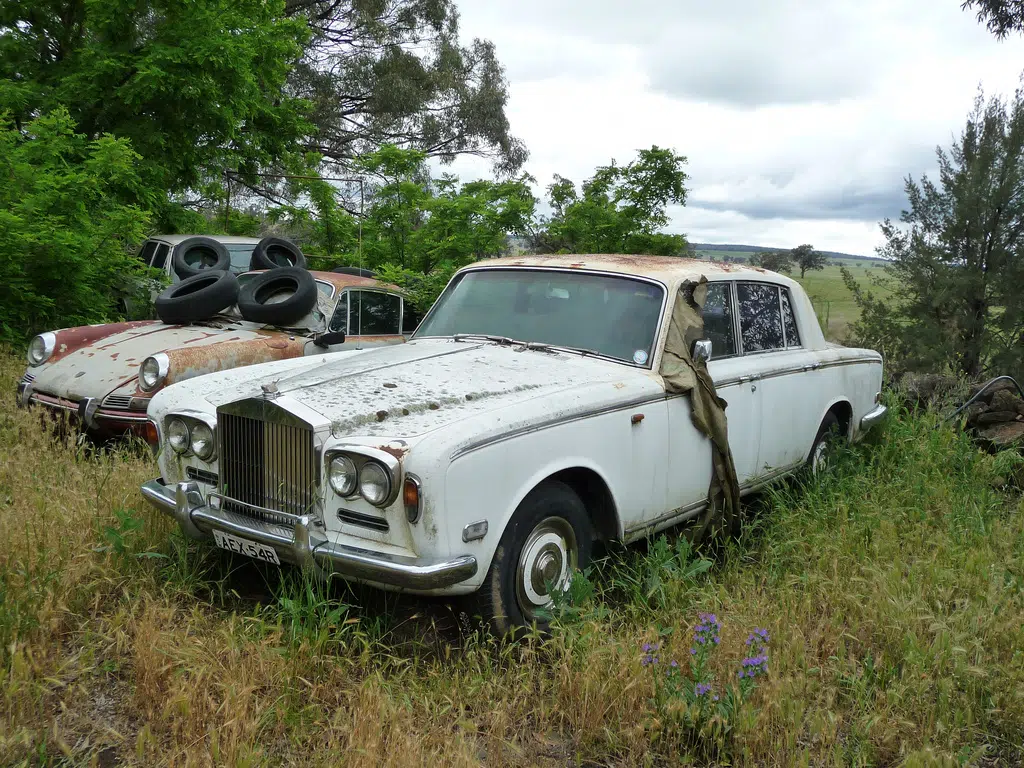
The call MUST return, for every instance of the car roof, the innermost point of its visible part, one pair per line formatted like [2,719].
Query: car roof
[226,239]
[340,281]
[667,269]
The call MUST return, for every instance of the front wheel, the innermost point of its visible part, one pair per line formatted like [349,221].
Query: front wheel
[548,538]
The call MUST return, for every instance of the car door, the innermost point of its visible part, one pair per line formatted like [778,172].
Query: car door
[367,317]
[734,380]
[689,451]
[774,368]
[792,393]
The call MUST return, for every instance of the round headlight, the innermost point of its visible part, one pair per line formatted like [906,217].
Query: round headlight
[341,473]
[202,441]
[374,483]
[40,348]
[178,436]
[153,371]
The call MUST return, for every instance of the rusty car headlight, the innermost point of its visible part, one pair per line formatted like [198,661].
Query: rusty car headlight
[153,371]
[179,437]
[342,475]
[374,483]
[203,444]
[40,349]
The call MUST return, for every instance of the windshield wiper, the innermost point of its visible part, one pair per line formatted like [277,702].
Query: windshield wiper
[538,346]
[487,337]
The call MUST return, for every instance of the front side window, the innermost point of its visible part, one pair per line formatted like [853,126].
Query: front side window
[610,315]
[718,323]
[339,320]
[374,313]
[760,317]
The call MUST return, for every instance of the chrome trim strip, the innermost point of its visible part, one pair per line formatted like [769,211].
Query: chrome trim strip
[103,415]
[793,369]
[554,422]
[306,545]
[684,514]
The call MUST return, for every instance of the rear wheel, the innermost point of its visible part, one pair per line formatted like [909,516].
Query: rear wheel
[548,538]
[828,439]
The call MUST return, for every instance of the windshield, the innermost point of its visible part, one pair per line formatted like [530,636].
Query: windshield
[241,255]
[612,316]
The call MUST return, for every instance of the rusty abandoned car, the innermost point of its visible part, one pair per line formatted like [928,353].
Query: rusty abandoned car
[543,404]
[103,376]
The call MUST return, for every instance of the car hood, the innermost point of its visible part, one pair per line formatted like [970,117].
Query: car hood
[410,389]
[98,367]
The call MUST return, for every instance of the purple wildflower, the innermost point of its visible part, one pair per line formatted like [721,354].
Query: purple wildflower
[674,663]
[701,689]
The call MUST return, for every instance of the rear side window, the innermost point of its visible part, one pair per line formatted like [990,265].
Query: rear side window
[760,317]
[148,248]
[160,260]
[374,313]
[792,334]
[718,320]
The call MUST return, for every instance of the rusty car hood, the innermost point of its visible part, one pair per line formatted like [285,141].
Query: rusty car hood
[102,365]
[414,388]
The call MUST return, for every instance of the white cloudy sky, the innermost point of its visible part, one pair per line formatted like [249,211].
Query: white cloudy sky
[800,118]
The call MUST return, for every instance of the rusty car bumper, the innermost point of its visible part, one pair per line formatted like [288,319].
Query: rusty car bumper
[304,543]
[88,413]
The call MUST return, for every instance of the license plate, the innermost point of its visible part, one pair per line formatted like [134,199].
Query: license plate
[245,547]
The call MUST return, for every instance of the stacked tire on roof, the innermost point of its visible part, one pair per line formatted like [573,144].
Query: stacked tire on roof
[282,295]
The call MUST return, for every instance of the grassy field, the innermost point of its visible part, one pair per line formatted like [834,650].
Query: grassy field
[892,592]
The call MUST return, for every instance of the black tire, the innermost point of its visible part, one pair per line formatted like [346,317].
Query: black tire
[274,252]
[357,271]
[281,296]
[199,254]
[502,600]
[197,297]
[828,438]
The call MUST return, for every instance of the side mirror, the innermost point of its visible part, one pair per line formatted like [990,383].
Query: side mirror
[702,350]
[331,337]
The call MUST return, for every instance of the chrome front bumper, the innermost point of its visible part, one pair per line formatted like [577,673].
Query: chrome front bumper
[873,417]
[305,544]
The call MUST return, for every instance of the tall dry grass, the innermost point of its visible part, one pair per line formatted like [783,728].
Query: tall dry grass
[893,591]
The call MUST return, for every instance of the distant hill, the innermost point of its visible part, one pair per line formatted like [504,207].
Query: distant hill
[716,251]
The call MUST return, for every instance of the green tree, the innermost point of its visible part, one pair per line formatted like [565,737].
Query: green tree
[956,261]
[619,210]
[195,87]
[776,261]
[805,257]
[71,208]
[395,71]
[1000,16]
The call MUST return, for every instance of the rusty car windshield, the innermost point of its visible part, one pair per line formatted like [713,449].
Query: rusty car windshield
[609,315]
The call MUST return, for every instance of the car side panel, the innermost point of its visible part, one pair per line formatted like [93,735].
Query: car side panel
[489,483]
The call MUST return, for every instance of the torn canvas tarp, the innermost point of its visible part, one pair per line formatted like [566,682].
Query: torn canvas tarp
[707,410]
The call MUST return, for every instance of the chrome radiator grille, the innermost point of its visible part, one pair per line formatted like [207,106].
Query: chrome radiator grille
[267,461]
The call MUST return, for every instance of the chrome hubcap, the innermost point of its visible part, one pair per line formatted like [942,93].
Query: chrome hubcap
[820,460]
[545,564]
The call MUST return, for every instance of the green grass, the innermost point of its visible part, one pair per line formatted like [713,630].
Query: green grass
[893,591]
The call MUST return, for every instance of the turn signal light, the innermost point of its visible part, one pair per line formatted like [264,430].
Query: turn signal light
[411,499]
